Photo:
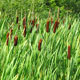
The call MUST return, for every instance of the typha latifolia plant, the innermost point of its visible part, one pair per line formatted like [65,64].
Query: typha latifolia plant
[24,31]
[39,44]
[69,52]
[24,21]
[7,38]
[15,40]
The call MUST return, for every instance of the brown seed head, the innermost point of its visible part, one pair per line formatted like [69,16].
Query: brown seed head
[24,21]
[24,32]
[69,51]
[47,26]
[15,40]
[39,44]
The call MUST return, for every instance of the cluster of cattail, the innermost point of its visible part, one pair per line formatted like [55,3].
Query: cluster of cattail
[69,51]
[7,38]
[56,26]
[15,40]
[39,44]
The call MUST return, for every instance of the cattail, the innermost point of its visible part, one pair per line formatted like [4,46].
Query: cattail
[17,19]
[11,30]
[15,40]
[55,26]
[51,20]
[47,26]
[24,32]
[39,44]
[69,26]
[7,37]
[69,50]
[24,21]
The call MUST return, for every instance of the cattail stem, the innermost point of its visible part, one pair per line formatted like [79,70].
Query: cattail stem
[11,30]
[51,20]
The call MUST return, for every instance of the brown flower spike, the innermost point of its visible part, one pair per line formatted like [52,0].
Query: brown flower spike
[7,37]
[39,44]
[24,32]
[55,26]
[15,40]
[69,51]
[47,26]
[24,21]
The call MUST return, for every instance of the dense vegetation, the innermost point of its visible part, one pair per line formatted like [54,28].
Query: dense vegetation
[39,40]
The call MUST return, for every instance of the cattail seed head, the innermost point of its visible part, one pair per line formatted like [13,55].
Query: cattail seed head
[47,26]
[24,21]
[69,51]
[17,19]
[55,26]
[24,31]
[39,44]
[7,38]
[15,40]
